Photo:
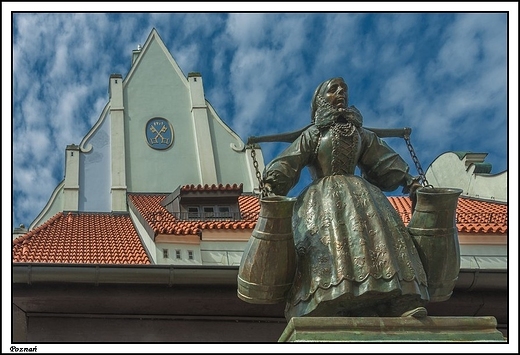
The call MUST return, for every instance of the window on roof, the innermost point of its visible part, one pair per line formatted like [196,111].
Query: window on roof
[209,212]
[165,254]
[193,212]
[177,254]
[190,254]
[224,211]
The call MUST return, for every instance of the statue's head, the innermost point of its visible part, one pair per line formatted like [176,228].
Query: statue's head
[330,104]
[332,93]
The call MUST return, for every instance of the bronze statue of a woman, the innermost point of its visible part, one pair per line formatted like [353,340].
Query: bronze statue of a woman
[355,257]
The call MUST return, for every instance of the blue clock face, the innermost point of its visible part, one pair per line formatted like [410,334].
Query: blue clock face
[159,133]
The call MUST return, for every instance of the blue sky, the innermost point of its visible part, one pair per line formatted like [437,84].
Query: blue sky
[445,75]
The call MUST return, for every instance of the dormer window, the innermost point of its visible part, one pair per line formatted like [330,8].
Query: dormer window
[209,212]
[193,212]
[224,212]
[198,202]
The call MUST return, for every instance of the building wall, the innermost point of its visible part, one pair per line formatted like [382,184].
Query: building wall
[94,169]
[222,252]
[145,234]
[450,170]
[219,247]
[154,89]
[159,329]
[143,313]
[233,164]
[185,250]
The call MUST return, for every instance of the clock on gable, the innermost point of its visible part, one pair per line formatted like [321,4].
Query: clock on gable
[159,133]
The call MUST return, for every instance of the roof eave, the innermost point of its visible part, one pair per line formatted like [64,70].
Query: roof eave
[30,273]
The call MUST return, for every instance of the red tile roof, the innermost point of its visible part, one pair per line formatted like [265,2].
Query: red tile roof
[82,238]
[473,216]
[249,206]
[112,239]
[163,222]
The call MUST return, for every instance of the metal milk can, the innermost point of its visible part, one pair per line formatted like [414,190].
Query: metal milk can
[268,264]
[434,231]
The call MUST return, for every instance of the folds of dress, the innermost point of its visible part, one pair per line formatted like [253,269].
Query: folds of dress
[353,248]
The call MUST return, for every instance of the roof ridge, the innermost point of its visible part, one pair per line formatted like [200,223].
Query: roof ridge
[212,187]
[147,193]
[23,238]
[473,198]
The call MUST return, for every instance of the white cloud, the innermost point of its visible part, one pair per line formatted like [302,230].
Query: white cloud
[33,146]
[469,42]
[400,89]
[32,189]
[188,56]
[265,73]
[247,30]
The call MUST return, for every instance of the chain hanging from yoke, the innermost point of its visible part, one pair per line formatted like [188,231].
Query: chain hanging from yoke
[261,186]
[422,176]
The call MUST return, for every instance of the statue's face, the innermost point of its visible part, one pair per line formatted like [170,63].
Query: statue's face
[336,93]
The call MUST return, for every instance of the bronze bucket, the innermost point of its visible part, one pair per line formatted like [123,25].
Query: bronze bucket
[269,261]
[434,231]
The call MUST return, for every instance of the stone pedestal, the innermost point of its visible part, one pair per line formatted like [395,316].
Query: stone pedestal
[392,329]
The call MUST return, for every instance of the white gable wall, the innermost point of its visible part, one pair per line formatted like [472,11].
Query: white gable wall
[448,170]
[115,157]
[156,90]
[233,163]
[95,177]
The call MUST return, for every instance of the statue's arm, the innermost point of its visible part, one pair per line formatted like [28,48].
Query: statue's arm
[382,166]
[283,172]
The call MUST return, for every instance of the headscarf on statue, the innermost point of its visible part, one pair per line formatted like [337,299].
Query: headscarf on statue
[324,114]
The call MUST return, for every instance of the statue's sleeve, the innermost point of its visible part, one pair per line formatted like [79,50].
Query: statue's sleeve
[283,172]
[381,165]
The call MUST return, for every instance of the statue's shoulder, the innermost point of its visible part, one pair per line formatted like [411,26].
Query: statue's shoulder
[366,132]
[311,129]
[311,132]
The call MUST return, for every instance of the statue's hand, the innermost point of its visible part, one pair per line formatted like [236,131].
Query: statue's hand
[413,189]
[275,183]
[267,190]
[413,193]
[411,185]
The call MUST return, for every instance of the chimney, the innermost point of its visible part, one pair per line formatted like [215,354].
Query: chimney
[203,138]
[117,143]
[71,187]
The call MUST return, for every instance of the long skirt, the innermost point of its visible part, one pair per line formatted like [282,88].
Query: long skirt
[353,250]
